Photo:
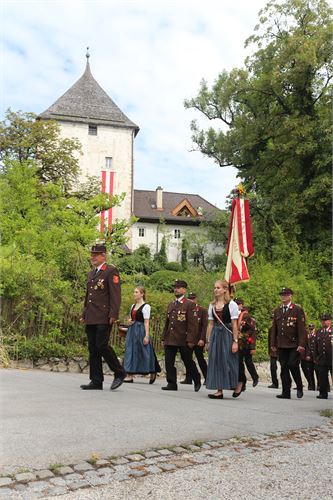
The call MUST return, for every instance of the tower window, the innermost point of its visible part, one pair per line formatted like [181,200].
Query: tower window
[92,129]
[141,232]
[108,162]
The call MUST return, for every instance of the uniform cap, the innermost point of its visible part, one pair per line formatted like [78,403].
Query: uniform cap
[286,291]
[326,317]
[311,325]
[239,301]
[180,284]
[192,295]
[98,249]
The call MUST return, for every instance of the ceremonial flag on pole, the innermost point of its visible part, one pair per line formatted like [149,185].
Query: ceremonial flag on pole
[240,246]
[107,187]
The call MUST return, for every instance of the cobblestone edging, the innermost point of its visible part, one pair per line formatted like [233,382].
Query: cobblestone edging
[61,479]
[80,365]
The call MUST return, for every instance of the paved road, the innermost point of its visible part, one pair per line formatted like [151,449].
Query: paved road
[47,419]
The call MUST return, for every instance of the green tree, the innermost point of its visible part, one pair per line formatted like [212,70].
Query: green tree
[161,256]
[25,137]
[275,116]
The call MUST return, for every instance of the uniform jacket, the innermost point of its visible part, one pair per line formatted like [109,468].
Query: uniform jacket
[288,329]
[202,317]
[309,344]
[181,324]
[322,353]
[273,354]
[248,333]
[103,296]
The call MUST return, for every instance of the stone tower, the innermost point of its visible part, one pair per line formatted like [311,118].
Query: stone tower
[87,113]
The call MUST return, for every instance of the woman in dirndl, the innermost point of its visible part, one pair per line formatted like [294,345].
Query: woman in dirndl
[222,336]
[140,357]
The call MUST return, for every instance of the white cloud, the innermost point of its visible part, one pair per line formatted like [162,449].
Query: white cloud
[148,55]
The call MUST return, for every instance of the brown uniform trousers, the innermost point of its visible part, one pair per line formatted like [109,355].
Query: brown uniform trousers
[102,302]
[180,329]
[288,332]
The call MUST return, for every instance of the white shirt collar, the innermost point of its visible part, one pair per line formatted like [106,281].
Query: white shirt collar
[99,267]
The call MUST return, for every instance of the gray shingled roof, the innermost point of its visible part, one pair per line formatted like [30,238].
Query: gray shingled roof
[144,201]
[87,102]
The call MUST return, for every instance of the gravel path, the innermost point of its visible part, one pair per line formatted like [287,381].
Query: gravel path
[293,468]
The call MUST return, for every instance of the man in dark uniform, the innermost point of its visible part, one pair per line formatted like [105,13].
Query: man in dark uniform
[202,317]
[180,334]
[288,339]
[272,361]
[307,363]
[247,344]
[101,310]
[322,354]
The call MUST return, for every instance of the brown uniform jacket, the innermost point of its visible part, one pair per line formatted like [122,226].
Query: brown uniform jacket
[202,316]
[181,324]
[103,296]
[310,339]
[273,354]
[322,353]
[288,330]
[248,332]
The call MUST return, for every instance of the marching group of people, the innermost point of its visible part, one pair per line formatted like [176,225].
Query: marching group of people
[227,328]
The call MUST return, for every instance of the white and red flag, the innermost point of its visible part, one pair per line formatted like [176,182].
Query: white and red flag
[107,187]
[240,245]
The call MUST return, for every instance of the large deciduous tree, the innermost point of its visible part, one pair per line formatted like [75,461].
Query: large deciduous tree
[23,137]
[272,119]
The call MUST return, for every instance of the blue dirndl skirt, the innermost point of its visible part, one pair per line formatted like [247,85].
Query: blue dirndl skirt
[223,368]
[139,358]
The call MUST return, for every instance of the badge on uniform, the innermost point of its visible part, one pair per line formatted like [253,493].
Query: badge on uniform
[181,316]
[100,284]
[115,279]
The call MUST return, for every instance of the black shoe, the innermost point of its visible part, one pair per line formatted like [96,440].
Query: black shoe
[300,393]
[236,394]
[213,396]
[117,382]
[255,382]
[92,387]
[322,396]
[128,381]
[169,388]
[283,396]
[197,387]
[186,381]
[273,386]
[152,378]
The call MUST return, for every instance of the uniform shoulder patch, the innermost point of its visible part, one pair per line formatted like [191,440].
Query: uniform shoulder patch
[115,279]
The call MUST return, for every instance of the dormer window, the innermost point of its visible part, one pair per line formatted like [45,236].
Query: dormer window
[92,129]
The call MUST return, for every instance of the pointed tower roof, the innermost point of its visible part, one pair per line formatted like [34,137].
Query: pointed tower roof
[87,102]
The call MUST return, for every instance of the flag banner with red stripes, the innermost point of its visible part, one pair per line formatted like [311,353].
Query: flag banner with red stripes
[107,187]
[240,244]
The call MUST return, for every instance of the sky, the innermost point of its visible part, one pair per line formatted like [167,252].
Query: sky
[148,55]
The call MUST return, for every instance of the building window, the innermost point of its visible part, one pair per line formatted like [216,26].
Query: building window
[92,129]
[177,234]
[108,162]
[141,232]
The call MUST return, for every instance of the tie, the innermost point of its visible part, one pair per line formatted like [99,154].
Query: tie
[95,272]
[285,309]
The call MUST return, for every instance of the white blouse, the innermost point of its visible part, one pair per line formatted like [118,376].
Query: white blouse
[233,309]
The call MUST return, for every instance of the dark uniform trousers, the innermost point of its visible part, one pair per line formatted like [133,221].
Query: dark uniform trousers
[324,385]
[244,355]
[289,360]
[186,355]
[199,354]
[98,345]
[309,371]
[273,368]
